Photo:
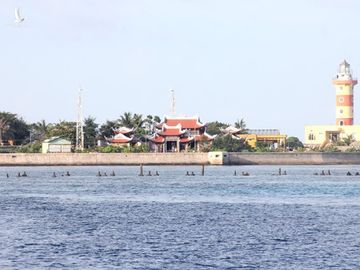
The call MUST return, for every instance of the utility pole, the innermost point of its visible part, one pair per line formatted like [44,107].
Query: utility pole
[79,125]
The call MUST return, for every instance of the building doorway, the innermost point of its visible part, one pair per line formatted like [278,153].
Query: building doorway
[333,136]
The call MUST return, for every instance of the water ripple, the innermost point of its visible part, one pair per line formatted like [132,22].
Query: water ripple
[174,222]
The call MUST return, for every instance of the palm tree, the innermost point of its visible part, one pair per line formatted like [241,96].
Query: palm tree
[126,119]
[106,129]
[240,124]
[41,129]
[138,120]
[131,120]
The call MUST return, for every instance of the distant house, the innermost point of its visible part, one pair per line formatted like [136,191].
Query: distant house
[56,145]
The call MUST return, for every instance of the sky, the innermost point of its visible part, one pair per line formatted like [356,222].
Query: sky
[268,62]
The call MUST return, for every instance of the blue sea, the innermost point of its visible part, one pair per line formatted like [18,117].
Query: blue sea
[173,221]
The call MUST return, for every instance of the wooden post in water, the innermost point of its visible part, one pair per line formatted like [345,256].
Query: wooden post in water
[203,170]
[141,170]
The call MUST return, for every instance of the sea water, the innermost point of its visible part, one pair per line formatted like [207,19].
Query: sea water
[173,221]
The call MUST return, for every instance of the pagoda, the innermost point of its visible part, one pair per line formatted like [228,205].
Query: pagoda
[124,136]
[176,134]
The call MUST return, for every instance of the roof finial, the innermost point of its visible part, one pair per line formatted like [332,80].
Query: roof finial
[173,105]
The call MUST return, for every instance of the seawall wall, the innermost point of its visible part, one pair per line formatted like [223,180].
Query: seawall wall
[214,158]
[291,159]
[74,159]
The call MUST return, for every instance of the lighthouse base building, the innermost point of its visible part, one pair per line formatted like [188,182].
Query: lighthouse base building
[322,135]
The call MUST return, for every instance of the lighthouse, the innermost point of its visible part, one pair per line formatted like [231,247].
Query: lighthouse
[343,130]
[344,86]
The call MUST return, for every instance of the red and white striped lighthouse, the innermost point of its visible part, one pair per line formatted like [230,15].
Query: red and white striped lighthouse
[344,85]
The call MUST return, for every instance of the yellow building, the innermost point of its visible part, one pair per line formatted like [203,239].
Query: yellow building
[272,137]
[320,135]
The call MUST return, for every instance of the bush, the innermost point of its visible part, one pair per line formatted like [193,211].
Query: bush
[294,143]
[330,148]
[352,150]
[229,144]
[109,149]
[143,148]
[30,148]
[263,147]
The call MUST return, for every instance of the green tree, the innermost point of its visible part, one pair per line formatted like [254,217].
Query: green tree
[264,147]
[213,128]
[294,142]
[40,130]
[240,124]
[106,129]
[229,144]
[4,126]
[126,120]
[110,149]
[30,148]
[13,128]
[150,123]
[64,129]
[90,132]
[137,121]
[133,121]
[157,119]
[349,139]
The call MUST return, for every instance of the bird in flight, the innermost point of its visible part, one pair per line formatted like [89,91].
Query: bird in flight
[18,17]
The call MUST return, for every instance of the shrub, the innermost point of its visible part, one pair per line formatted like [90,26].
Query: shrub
[30,148]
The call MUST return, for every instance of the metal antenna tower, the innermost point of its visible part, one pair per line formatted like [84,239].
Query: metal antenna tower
[79,125]
[173,104]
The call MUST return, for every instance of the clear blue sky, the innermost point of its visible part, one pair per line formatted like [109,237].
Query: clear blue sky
[269,62]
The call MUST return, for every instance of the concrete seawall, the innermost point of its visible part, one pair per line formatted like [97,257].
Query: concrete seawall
[77,159]
[292,159]
[215,158]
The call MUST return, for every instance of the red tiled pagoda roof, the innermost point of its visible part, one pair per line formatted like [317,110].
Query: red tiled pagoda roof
[171,130]
[157,139]
[185,122]
[120,138]
[124,130]
[186,139]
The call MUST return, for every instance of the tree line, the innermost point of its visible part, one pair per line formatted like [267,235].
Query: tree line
[28,136]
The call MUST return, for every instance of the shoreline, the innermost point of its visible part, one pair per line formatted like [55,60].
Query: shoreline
[211,158]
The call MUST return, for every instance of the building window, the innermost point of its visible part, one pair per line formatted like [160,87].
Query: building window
[340,87]
[311,137]
[341,123]
[341,111]
[341,99]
